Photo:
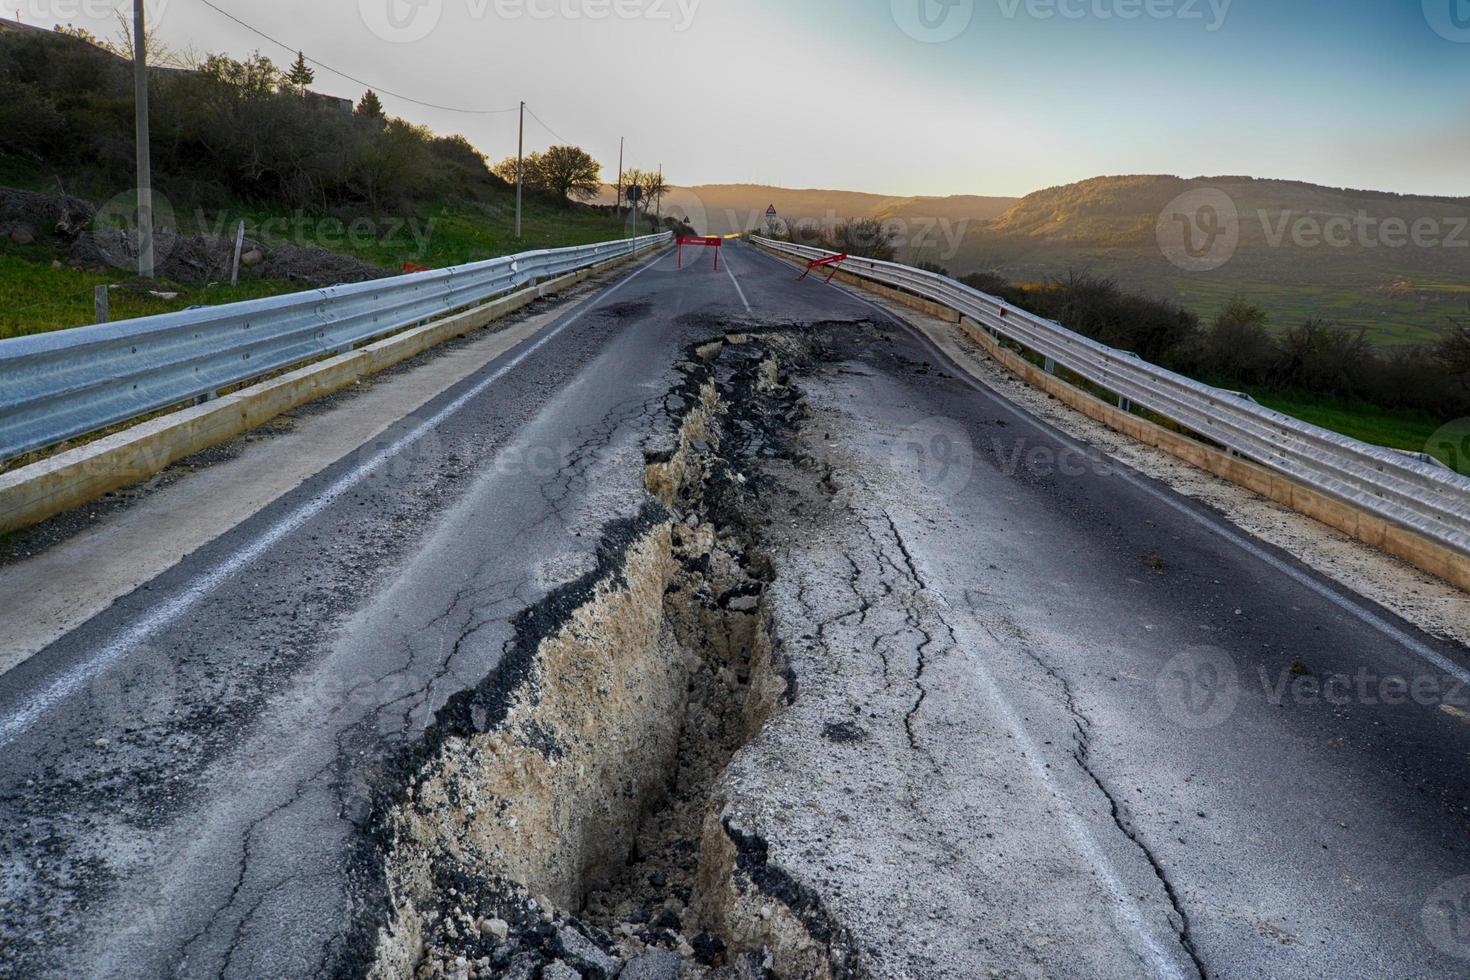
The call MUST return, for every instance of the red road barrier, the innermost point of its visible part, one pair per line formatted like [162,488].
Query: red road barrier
[710,242]
[833,260]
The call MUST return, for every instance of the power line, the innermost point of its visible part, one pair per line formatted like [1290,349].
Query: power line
[359,81]
[544,126]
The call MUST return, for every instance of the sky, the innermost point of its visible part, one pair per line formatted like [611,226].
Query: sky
[903,97]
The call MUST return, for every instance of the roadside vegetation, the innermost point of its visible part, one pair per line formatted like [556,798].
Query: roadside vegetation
[1315,370]
[328,191]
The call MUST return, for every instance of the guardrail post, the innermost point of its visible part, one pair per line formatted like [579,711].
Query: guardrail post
[1049,366]
[1124,404]
[100,304]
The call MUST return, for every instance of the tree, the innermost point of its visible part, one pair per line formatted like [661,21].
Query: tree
[565,171]
[300,75]
[651,184]
[1238,347]
[569,171]
[530,169]
[255,78]
[370,105]
[1453,351]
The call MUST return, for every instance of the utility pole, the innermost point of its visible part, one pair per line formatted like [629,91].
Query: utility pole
[621,141]
[145,168]
[660,199]
[520,168]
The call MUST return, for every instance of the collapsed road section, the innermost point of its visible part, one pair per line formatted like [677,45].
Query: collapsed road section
[759,740]
[563,819]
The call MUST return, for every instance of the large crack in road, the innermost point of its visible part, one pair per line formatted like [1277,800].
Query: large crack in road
[563,814]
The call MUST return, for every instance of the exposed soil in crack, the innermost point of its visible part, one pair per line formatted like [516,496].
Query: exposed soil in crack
[563,819]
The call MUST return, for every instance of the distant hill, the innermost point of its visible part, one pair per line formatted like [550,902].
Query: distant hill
[1371,273]
[722,209]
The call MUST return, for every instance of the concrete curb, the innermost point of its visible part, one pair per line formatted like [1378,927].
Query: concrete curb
[78,476]
[1400,542]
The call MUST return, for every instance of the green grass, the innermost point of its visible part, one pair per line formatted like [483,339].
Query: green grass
[1409,431]
[39,297]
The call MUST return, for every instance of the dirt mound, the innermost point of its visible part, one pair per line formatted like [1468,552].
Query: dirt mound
[44,214]
[317,266]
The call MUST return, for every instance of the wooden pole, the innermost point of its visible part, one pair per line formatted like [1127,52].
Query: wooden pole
[239,246]
[520,167]
[145,168]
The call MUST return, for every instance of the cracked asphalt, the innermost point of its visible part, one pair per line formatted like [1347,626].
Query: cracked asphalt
[1078,727]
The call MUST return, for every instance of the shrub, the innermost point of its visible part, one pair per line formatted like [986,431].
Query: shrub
[1238,347]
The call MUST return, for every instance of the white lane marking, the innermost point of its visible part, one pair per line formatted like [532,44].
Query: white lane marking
[737,284]
[1389,630]
[162,615]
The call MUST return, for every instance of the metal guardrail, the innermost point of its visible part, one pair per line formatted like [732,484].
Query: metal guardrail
[67,383]
[1402,489]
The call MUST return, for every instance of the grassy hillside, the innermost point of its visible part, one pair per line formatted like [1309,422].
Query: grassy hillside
[44,290]
[327,194]
[1399,293]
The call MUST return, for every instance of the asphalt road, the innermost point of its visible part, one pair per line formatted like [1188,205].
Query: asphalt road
[183,779]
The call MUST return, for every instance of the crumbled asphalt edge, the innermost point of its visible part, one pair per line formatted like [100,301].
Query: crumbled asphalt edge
[486,704]
[530,924]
